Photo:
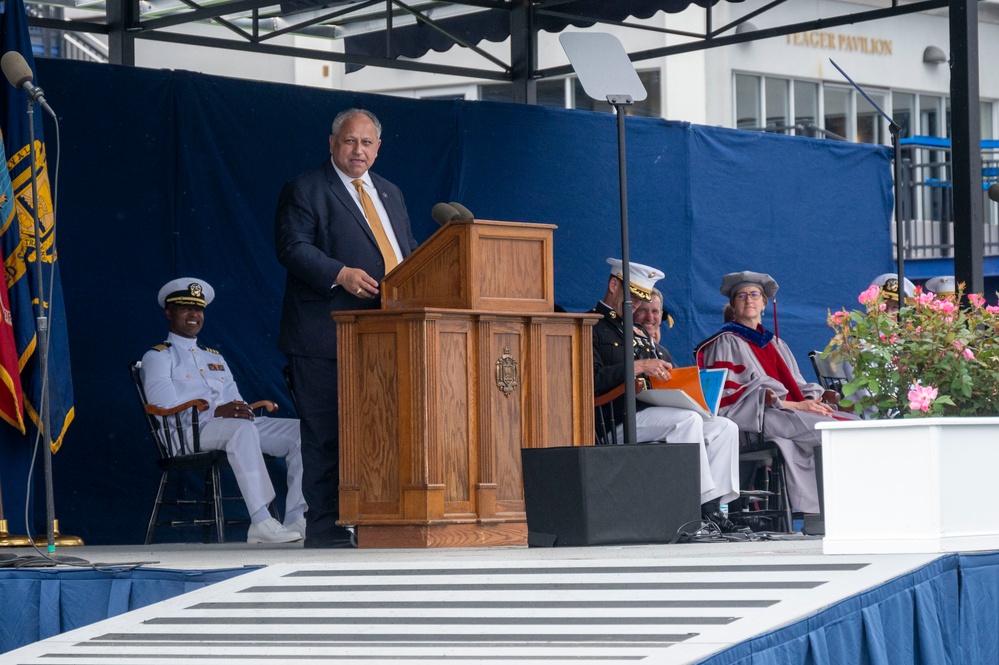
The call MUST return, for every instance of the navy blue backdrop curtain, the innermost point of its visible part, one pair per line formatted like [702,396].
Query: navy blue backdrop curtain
[176,174]
[912,620]
[800,215]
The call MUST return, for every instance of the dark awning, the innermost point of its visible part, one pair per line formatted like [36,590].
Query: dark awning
[485,24]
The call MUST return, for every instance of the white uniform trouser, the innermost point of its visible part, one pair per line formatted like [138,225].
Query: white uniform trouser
[719,445]
[245,442]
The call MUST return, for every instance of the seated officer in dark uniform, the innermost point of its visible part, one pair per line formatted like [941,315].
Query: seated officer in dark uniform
[718,437]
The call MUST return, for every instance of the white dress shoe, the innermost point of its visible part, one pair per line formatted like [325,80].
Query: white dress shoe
[271,531]
[298,526]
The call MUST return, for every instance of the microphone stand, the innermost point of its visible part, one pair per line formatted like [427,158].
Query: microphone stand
[896,141]
[630,427]
[895,130]
[42,331]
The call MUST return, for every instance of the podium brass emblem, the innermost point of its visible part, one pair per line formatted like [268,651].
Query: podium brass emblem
[506,372]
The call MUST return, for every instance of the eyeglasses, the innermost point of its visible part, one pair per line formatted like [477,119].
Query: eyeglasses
[750,295]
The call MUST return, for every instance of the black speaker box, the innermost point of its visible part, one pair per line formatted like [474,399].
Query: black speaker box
[606,495]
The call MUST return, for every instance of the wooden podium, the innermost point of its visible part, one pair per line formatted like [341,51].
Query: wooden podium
[465,364]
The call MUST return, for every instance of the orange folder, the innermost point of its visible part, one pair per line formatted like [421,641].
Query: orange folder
[687,379]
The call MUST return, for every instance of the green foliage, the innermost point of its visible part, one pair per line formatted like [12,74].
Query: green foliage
[934,345]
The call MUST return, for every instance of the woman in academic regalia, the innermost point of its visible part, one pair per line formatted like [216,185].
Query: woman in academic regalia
[765,391]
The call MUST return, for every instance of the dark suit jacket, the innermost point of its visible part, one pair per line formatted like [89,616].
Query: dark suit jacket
[608,355]
[318,229]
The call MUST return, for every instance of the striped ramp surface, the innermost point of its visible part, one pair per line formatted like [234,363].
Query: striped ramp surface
[627,610]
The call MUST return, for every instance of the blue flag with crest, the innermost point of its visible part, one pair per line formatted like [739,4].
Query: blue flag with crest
[17,241]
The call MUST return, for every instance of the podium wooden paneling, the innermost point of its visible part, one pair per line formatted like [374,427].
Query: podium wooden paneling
[437,402]
[495,266]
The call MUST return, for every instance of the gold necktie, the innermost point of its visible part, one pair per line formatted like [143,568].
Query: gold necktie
[376,226]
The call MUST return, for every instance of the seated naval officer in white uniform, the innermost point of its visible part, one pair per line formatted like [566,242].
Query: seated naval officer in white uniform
[180,370]
[943,286]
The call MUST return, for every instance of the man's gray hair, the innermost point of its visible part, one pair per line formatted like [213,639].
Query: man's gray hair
[657,292]
[342,116]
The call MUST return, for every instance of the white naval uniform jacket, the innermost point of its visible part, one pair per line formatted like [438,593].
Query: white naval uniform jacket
[181,370]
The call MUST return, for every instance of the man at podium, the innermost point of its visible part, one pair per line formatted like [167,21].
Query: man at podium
[338,230]
[718,437]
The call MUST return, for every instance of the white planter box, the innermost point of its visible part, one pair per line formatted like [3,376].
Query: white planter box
[923,485]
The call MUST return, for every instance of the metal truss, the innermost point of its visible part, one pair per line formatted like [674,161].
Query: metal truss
[255,26]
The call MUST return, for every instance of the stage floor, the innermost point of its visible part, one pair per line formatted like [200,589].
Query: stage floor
[667,604]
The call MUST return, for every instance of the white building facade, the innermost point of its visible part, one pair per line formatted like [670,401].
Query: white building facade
[778,82]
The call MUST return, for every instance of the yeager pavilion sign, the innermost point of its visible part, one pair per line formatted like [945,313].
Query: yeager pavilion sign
[838,41]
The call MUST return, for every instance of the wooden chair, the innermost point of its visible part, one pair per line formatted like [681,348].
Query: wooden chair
[179,448]
[604,421]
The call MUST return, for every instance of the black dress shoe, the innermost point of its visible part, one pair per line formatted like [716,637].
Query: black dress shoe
[329,543]
[723,523]
[337,537]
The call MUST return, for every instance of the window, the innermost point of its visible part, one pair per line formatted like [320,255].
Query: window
[903,105]
[650,107]
[778,107]
[808,108]
[747,102]
[554,93]
[806,105]
[551,92]
[871,126]
[930,116]
[496,92]
[837,111]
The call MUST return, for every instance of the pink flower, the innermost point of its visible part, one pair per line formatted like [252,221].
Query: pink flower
[924,298]
[869,296]
[968,354]
[992,309]
[944,306]
[976,299]
[839,318]
[883,306]
[921,397]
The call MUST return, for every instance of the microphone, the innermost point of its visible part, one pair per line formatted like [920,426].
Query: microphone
[465,212]
[993,192]
[18,73]
[444,213]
